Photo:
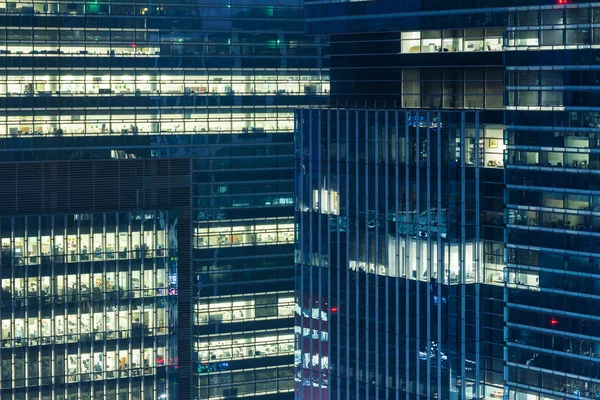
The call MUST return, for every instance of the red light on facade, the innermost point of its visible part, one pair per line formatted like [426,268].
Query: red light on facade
[554,321]
[135,45]
[334,309]
[562,1]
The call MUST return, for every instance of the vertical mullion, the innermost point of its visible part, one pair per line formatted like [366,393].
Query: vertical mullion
[319,266]
[348,225]
[417,256]
[367,268]
[428,244]
[357,249]
[397,252]
[338,264]
[477,263]
[407,263]
[440,266]
[301,228]
[387,256]
[462,251]
[376,250]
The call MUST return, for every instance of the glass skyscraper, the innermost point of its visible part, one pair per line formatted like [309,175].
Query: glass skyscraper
[388,290]
[146,162]
[104,314]
[89,303]
[511,310]
[552,221]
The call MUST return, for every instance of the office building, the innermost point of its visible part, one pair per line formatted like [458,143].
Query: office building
[552,184]
[146,158]
[89,299]
[446,204]
[392,195]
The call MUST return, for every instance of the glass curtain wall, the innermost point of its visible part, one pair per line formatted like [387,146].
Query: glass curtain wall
[552,195]
[388,253]
[127,80]
[87,305]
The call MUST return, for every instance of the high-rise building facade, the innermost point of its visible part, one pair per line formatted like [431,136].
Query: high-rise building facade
[147,178]
[89,267]
[519,305]
[388,253]
[552,183]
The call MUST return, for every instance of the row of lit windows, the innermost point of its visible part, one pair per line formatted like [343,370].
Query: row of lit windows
[145,118]
[126,363]
[84,237]
[127,50]
[242,310]
[139,88]
[148,124]
[151,282]
[140,75]
[100,365]
[34,331]
[243,345]
[85,247]
[106,51]
[239,233]
[455,270]
[148,82]
[399,269]
[555,159]
[457,40]
[554,220]
[571,201]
